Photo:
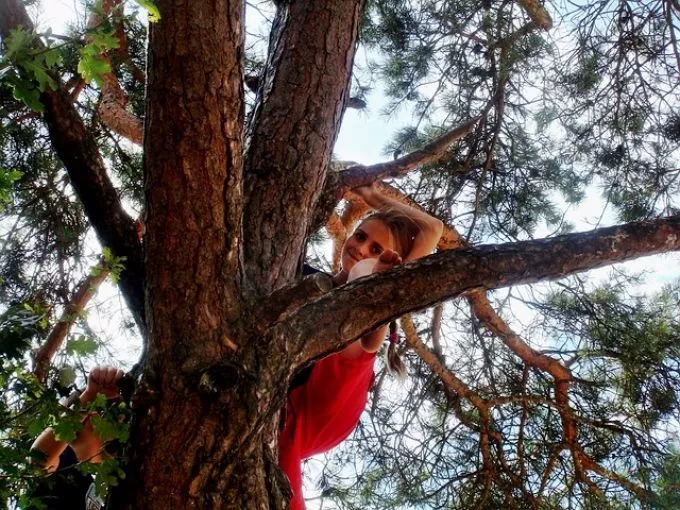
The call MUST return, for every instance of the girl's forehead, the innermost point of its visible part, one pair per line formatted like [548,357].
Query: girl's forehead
[374,225]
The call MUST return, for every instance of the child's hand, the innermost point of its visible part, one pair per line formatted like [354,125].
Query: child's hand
[103,380]
[370,195]
[387,260]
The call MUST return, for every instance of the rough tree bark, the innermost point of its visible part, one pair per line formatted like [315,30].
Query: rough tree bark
[214,380]
[226,225]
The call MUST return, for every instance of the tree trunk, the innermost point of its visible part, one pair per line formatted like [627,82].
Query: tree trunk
[206,411]
[193,168]
[205,444]
[301,101]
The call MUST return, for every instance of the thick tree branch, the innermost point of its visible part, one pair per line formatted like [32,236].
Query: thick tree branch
[194,128]
[360,175]
[353,309]
[537,13]
[286,300]
[77,149]
[113,103]
[86,290]
[113,111]
[301,100]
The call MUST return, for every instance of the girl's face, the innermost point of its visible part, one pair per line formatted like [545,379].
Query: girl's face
[369,240]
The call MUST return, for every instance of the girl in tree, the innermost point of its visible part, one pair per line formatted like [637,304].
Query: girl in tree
[325,409]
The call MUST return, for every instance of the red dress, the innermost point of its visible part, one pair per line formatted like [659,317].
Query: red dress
[322,412]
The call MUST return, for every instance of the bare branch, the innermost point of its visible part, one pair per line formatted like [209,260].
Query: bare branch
[86,290]
[360,175]
[113,111]
[113,104]
[436,328]
[454,384]
[341,181]
[355,308]
[483,310]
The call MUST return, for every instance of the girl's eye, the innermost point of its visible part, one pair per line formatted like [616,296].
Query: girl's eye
[360,236]
[376,250]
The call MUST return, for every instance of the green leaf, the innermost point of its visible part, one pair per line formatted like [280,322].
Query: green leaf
[93,68]
[39,73]
[67,376]
[151,8]
[53,57]
[109,429]
[7,180]
[99,402]
[29,95]
[104,41]
[18,43]
[114,264]
[81,345]
[67,429]
[35,427]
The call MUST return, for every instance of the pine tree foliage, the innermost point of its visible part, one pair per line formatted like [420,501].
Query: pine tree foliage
[572,405]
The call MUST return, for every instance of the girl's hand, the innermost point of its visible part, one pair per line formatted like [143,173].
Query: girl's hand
[387,260]
[102,380]
[370,195]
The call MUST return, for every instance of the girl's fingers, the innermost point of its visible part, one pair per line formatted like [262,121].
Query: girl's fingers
[105,376]
[390,257]
[112,375]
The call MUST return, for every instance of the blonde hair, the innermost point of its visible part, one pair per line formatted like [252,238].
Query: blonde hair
[404,230]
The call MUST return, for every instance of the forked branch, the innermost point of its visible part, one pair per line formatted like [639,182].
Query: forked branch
[357,307]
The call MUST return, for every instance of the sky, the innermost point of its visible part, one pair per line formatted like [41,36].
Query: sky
[362,138]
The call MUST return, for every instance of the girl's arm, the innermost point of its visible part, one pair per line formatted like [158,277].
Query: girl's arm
[430,229]
[86,445]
